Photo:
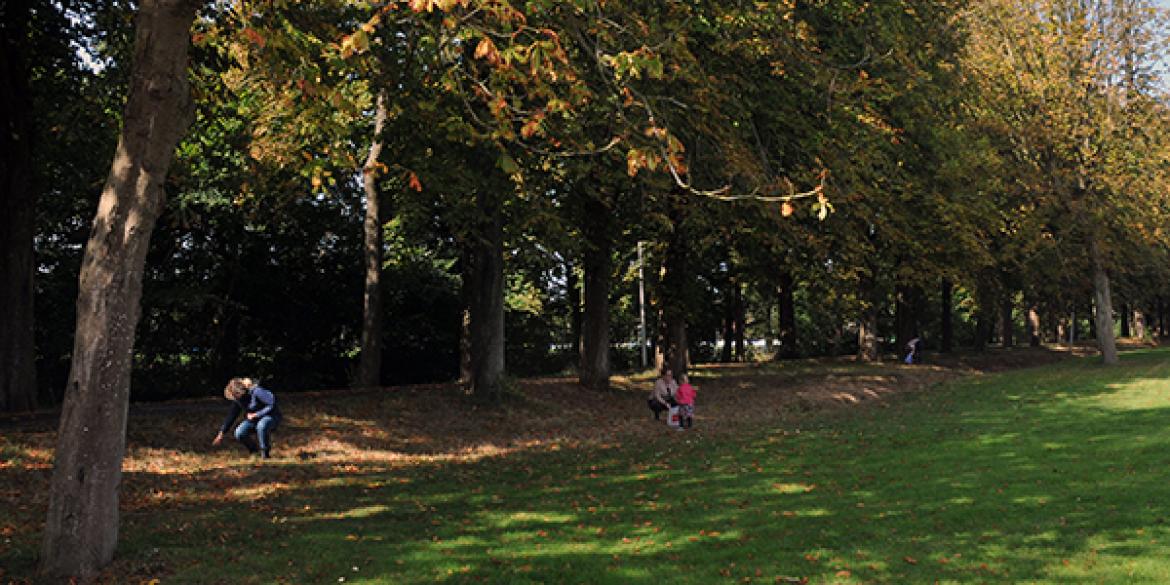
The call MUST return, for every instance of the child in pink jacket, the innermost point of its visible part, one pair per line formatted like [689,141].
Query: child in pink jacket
[686,403]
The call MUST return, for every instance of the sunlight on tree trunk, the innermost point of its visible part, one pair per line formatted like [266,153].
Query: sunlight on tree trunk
[370,366]
[82,528]
[1104,316]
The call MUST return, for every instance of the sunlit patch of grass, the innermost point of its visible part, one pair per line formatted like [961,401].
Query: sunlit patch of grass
[1050,475]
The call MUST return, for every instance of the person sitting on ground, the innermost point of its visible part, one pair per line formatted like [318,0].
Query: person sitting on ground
[662,397]
[686,403]
[262,415]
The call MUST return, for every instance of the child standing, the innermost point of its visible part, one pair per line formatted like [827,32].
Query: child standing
[686,403]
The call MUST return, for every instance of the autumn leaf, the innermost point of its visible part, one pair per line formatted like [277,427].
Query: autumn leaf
[254,36]
[487,50]
[414,183]
[422,5]
[786,209]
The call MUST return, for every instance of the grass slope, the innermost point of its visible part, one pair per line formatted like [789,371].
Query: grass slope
[1053,474]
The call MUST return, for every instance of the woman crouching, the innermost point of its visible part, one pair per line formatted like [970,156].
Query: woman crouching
[262,415]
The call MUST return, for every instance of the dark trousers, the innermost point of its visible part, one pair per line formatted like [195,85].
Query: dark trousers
[657,407]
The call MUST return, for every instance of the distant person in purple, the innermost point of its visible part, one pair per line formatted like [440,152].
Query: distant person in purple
[261,415]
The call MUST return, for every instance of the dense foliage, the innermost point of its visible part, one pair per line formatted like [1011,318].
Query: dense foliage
[808,178]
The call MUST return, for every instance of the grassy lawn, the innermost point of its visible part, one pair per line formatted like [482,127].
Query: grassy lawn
[1055,474]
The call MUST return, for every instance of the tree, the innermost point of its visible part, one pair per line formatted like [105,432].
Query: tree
[370,367]
[17,341]
[1069,83]
[82,528]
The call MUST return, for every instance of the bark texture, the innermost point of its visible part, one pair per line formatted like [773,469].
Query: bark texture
[672,342]
[1104,317]
[17,222]
[369,372]
[487,300]
[82,528]
[598,269]
[594,366]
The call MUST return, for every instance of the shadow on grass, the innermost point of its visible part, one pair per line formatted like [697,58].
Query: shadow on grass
[1053,474]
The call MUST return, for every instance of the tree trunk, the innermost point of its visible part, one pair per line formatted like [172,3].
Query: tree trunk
[487,300]
[465,342]
[740,324]
[769,334]
[1104,317]
[907,307]
[1007,321]
[984,313]
[598,266]
[1124,314]
[82,528]
[1093,318]
[18,384]
[466,294]
[787,317]
[867,350]
[369,373]
[1035,337]
[728,333]
[948,323]
[676,273]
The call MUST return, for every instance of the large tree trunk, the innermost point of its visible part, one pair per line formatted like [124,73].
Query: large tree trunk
[487,300]
[787,317]
[369,372]
[947,304]
[18,385]
[598,267]
[1104,316]
[82,528]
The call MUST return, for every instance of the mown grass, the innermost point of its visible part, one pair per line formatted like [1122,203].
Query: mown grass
[1054,474]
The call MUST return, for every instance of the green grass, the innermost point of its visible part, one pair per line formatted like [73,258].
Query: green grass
[1055,474]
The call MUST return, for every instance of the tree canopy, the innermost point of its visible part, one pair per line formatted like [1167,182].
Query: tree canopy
[378,193]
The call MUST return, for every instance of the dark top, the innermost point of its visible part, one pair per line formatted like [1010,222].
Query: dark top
[257,400]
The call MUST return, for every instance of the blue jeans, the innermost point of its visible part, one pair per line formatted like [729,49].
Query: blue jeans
[262,427]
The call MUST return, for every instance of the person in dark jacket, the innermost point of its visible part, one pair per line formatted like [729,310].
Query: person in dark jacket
[261,415]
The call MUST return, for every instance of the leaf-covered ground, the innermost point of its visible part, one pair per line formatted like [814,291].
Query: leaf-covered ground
[1049,474]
